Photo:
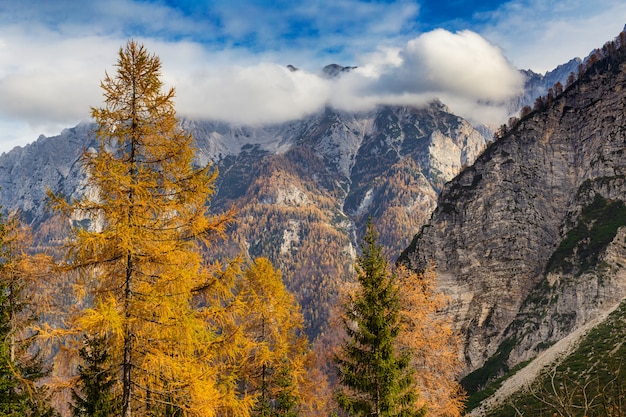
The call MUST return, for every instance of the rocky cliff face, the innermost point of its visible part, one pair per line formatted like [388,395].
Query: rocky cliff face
[529,241]
[302,189]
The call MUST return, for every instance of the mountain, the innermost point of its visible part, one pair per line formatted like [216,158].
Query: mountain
[530,240]
[537,85]
[303,190]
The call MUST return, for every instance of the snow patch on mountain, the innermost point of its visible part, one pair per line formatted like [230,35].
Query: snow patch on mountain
[344,139]
[215,141]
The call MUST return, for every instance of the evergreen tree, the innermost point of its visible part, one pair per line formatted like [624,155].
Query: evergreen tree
[286,398]
[141,256]
[95,396]
[375,379]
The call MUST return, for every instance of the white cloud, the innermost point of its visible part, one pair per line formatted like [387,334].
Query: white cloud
[227,59]
[48,82]
[463,70]
[54,86]
[259,94]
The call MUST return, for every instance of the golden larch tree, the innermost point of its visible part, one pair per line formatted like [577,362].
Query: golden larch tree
[276,369]
[140,256]
[428,336]
[23,301]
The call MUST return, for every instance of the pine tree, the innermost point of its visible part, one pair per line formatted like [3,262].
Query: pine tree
[140,257]
[375,379]
[286,404]
[96,381]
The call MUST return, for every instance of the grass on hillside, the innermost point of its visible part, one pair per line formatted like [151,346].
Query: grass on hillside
[590,382]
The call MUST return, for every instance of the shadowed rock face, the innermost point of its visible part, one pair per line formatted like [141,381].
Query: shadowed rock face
[501,221]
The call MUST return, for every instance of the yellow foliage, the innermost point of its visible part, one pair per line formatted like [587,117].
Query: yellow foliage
[273,324]
[162,309]
[434,346]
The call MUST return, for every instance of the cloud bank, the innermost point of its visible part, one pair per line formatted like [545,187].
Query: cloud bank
[461,69]
[228,59]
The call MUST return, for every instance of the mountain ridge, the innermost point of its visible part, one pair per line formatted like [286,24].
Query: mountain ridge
[550,191]
[294,184]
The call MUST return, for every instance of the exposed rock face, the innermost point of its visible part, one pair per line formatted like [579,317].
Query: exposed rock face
[334,70]
[502,221]
[26,172]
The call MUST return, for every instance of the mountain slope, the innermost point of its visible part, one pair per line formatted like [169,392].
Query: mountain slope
[302,189]
[556,362]
[304,206]
[529,241]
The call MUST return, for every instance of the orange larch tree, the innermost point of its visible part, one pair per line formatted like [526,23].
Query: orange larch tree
[276,369]
[140,257]
[22,304]
[428,336]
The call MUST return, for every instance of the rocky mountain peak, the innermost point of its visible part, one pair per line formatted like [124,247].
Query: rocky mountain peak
[334,70]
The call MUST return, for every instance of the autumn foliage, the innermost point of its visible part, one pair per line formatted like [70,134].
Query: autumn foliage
[433,344]
[275,369]
[162,323]
[140,255]
[22,303]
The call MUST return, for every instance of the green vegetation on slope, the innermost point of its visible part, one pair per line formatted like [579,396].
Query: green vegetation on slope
[589,382]
[595,229]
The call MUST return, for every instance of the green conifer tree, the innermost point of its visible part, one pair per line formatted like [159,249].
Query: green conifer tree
[96,382]
[375,379]
[286,398]
[9,398]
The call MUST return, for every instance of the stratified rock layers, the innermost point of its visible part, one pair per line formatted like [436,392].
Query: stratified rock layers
[498,224]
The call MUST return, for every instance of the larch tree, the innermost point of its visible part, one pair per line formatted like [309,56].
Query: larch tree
[140,257]
[275,371]
[375,378]
[21,365]
[428,337]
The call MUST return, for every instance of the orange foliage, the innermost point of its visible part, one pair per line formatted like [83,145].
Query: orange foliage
[427,333]
[272,321]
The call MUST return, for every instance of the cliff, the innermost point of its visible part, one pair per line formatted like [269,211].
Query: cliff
[529,241]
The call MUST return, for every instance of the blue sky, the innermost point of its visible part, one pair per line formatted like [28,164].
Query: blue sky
[227,58]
